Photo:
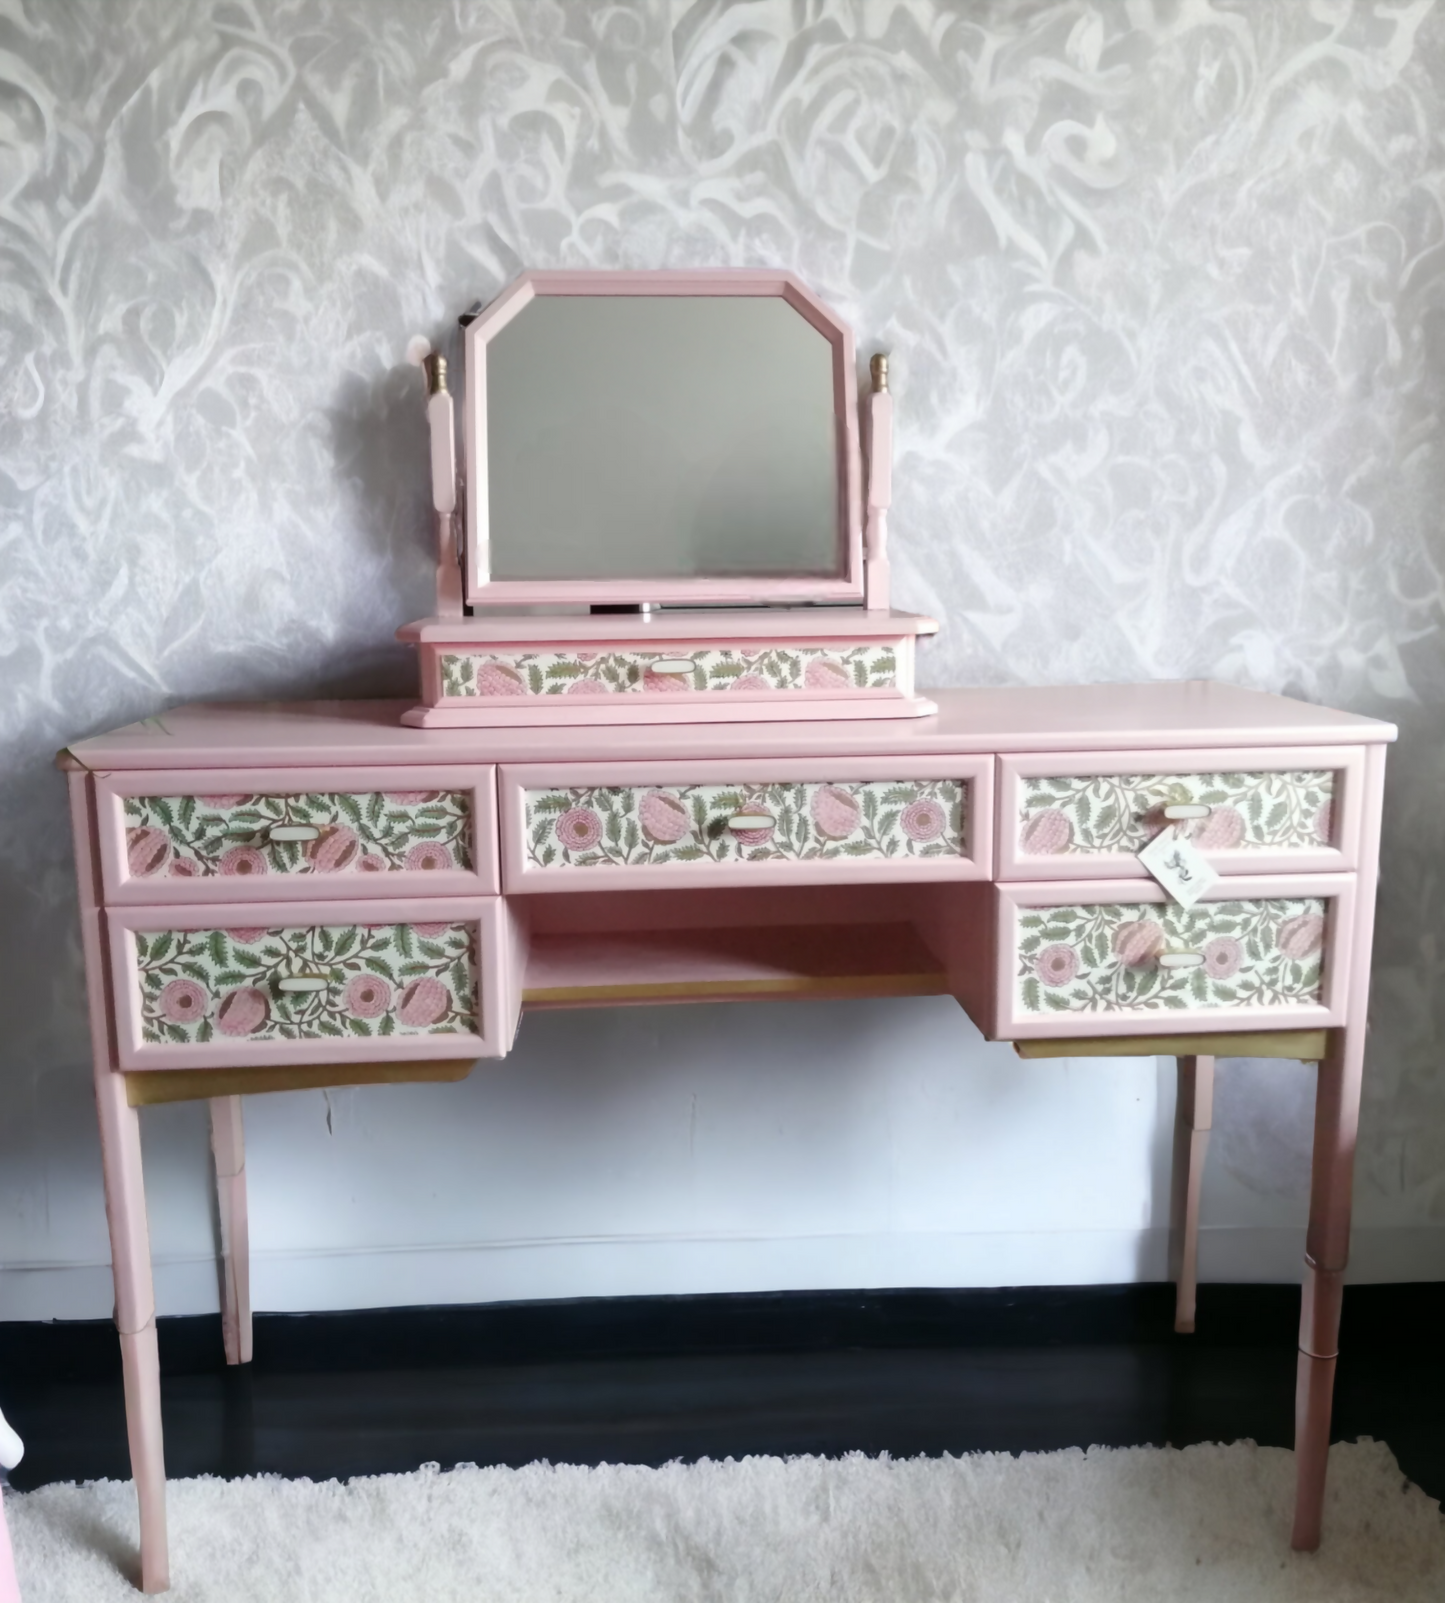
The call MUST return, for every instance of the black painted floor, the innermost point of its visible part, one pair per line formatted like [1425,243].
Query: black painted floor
[371,1411]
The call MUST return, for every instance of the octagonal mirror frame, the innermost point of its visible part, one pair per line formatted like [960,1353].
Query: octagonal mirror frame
[483,590]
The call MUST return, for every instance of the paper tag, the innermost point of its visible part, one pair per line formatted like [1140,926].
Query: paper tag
[1179,866]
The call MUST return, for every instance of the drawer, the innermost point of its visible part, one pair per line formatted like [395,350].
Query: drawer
[251,983]
[1078,815]
[816,821]
[203,835]
[1119,958]
[689,670]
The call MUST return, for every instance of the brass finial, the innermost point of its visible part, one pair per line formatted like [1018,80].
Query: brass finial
[878,369]
[435,367]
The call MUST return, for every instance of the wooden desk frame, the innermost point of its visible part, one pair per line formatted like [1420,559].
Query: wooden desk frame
[953,905]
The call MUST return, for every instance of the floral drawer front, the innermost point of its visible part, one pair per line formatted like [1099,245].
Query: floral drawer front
[1105,958]
[192,837]
[1123,812]
[386,979]
[633,826]
[804,669]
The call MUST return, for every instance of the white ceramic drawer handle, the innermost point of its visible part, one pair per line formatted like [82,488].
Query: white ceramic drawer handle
[673,665]
[1181,959]
[303,984]
[293,832]
[1182,810]
[751,821]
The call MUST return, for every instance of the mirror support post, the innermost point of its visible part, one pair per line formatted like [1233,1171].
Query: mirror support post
[880,487]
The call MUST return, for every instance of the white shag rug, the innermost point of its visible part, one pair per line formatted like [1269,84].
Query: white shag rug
[1152,1524]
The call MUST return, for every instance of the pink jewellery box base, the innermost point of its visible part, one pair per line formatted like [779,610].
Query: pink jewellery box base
[737,666]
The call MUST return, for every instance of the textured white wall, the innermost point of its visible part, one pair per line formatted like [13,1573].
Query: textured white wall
[1164,284]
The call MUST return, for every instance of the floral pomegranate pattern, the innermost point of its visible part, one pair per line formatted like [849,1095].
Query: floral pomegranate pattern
[386,979]
[471,675]
[1105,958]
[194,837]
[1124,812]
[625,826]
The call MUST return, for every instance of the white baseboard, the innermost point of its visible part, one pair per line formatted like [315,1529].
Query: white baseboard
[308,1282]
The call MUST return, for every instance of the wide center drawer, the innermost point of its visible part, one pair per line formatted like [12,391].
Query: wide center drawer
[207,835]
[1248,811]
[601,826]
[1121,958]
[253,983]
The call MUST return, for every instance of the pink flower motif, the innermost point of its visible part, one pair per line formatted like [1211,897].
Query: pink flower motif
[835,813]
[368,996]
[750,684]
[373,863]
[923,820]
[664,818]
[827,673]
[242,1011]
[221,801]
[1222,831]
[410,798]
[183,1001]
[1324,825]
[1139,942]
[429,857]
[586,687]
[423,1002]
[665,682]
[1057,965]
[246,936]
[1046,833]
[578,828]
[495,680]
[429,932]
[1301,937]
[185,868]
[335,850]
[243,860]
[1222,957]
[147,851]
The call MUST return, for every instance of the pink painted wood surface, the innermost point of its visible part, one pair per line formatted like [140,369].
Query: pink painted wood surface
[726,907]
[125,1206]
[518,876]
[1193,1121]
[494,955]
[1337,1115]
[141,1376]
[1193,713]
[479,782]
[228,1148]
[1008,1021]
[877,579]
[562,712]
[537,631]
[1343,853]
[483,589]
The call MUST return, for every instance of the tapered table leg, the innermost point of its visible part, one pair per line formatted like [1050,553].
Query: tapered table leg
[228,1144]
[1193,1120]
[1337,1106]
[125,1208]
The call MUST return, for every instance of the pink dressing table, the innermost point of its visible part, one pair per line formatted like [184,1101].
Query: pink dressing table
[289,895]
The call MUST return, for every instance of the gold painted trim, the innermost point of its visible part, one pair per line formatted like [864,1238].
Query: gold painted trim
[146,1088]
[1308,1046]
[837,985]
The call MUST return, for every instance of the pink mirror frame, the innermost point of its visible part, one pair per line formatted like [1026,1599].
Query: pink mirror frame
[483,590]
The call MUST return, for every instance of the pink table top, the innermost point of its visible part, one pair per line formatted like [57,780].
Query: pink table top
[1194,713]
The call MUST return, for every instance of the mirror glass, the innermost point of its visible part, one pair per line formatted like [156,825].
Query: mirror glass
[670,436]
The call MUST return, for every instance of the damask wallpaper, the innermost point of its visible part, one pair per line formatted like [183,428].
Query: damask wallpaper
[1163,284]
